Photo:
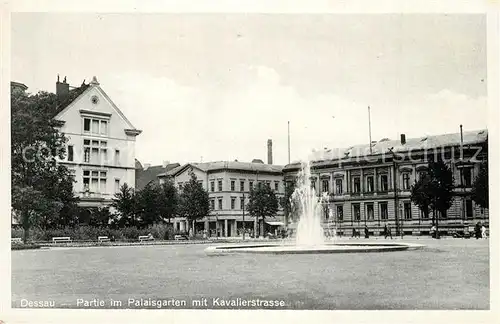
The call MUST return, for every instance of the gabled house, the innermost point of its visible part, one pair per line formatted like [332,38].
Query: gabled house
[101,142]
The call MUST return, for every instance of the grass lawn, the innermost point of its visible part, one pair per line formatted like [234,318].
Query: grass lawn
[446,274]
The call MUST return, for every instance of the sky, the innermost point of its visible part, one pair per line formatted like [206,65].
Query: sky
[211,87]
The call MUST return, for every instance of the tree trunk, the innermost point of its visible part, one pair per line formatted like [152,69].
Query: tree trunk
[26,226]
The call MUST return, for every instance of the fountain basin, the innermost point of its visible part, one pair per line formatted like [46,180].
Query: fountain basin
[344,247]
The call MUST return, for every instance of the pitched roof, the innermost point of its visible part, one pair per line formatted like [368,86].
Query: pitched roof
[228,165]
[412,144]
[143,176]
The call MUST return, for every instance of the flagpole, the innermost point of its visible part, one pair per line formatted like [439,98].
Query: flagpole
[288,142]
[370,129]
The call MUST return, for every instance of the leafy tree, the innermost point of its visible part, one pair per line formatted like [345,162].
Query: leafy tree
[480,192]
[194,202]
[441,189]
[125,204]
[286,202]
[168,205]
[42,189]
[420,194]
[262,203]
[148,203]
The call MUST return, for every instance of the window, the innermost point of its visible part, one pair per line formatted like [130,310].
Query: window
[325,186]
[242,185]
[242,203]
[94,181]
[407,210]
[117,157]
[250,185]
[384,183]
[276,185]
[421,175]
[180,186]
[313,183]
[220,203]
[117,185]
[212,204]
[383,210]
[233,203]
[212,186]
[369,212]
[259,184]
[95,151]
[468,208]
[95,126]
[357,185]
[232,185]
[219,185]
[70,152]
[356,211]
[340,213]
[326,211]
[338,186]
[369,184]
[268,184]
[467,177]
[406,181]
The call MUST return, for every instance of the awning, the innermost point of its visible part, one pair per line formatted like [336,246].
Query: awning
[275,223]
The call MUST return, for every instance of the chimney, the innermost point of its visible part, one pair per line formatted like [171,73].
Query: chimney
[165,163]
[403,139]
[269,151]
[62,88]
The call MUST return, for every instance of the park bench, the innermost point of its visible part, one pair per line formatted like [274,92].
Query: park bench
[65,239]
[146,238]
[103,239]
[180,237]
[16,240]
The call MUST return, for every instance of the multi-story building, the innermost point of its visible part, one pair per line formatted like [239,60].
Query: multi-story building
[228,185]
[370,184]
[101,142]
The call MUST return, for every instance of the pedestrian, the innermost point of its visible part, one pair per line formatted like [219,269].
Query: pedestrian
[477,230]
[386,231]
[433,231]
[483,232]
[367,233]
[389,232]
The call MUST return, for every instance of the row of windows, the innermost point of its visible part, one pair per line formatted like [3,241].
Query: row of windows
[94,151]
[95,126]
[371,186]
[95,181]
[233,203]
[241,185]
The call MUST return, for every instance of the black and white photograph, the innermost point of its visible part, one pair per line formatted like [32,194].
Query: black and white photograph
[270,161]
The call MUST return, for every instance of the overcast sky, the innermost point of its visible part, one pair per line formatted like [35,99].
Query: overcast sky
[216,87]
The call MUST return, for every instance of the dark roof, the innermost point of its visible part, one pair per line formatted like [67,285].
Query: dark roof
[383,146]
[229,165]
[66,100]
[145,175]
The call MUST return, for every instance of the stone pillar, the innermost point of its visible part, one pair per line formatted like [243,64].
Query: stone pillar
[183,226]
[206,224]
[225,228]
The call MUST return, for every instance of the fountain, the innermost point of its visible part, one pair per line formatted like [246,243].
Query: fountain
[310,236]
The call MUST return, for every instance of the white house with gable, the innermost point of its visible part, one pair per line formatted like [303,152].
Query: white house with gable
[101,142]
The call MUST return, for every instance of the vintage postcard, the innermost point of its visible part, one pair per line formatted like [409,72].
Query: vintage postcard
[168,161]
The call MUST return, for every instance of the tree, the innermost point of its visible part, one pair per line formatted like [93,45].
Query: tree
[286,202]
[125,203]
[262,203]
[148,203]
[480,189]
[194,202]
[440,189]
[168,204]
[420,194]
[42,189]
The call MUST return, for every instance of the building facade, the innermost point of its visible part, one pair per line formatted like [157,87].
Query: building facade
[228,185]
[371,185]
[101,142]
